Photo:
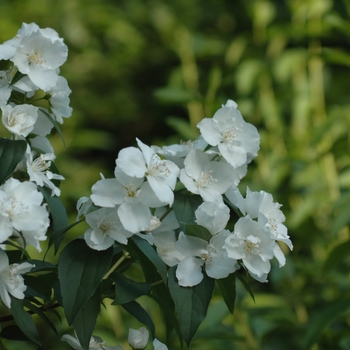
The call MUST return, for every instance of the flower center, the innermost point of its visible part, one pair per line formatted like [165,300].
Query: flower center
[105,226]
[250,246]
[40,165]
[229,134]
[158,167]
[36,57]
[273,226]
[206,179]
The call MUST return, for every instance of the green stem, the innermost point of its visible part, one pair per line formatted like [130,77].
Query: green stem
[125,256]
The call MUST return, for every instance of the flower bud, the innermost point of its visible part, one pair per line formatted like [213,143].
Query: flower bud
[138,339]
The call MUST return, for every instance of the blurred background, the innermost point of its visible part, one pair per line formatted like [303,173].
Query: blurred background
[153,69]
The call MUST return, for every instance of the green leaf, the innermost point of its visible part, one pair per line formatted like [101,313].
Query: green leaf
[319,322]
[152,265]
[40,313]
[24,320]
[174,95]
[127,290]
[12,332]
[245,284]
[227,287]
[58,215]
[11,153]
[198,231]
[191,303]
[169,314]
[135,310]
[337,256]
[184,207]
[80,271]
[85,320]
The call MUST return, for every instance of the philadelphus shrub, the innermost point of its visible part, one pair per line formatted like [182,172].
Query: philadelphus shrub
[167,208]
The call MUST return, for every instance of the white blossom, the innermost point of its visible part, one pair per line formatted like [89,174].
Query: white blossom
[198,253]
[19,119]
[252,242]
[238,141]
[213,215]
[11,281]
[138,339]
[38,170]
[205,177]
[144,162]
[22,213]
[159,345]
[96,343]
[105,229]
[5,88]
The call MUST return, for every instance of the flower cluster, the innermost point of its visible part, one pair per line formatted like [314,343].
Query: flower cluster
[139,198]
[34,56]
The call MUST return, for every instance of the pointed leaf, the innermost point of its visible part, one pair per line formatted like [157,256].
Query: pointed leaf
[24,320]
[59,217]
[191,303]
[152,265]
[198,231]
[80,271]
[245,284]
[135,309]
[85,320]
[11,153]
[227,288]
[127,290]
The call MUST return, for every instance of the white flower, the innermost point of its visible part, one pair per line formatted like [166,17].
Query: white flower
[213,215]
[5,88]
[38,55]
[38,170]
[260,205]
[205,177]
[21,212]
[159,345]
[167,249]
[43,125]
[177,152]
[238,141]
[19,119]
[161,174]
[11,281]
[200,253]
[138,339]
[59,99]
[134,196]
[96,343]
[252,242]
[105,229]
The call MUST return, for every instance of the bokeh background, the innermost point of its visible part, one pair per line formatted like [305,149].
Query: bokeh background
[152,69]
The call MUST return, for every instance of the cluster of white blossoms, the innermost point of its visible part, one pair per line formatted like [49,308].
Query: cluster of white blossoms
[138,201]
[34,56]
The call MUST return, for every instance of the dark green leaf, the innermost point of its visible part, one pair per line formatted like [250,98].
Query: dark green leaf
[59,217]
[134,309]
[184,207]
[191,303]
[198,231]
[168,312]
[85,320]
[40,286]
[151,263]
[80,271]
[40,313]
[12,332]
[245,283]
[11,153]
[24,320]
[227,288]
[127,290]
[319,322]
